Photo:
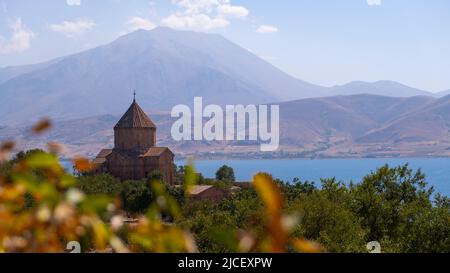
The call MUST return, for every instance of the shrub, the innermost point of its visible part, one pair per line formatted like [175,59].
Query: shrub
[100,184]
[225,173]
[136,196]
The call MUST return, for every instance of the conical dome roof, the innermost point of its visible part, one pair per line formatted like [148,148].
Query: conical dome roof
[135,117]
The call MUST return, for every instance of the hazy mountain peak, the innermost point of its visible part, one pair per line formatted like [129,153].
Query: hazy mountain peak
[443,93]
[167,67]
[382,88]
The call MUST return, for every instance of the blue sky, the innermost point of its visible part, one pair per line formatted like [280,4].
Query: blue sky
[325,42]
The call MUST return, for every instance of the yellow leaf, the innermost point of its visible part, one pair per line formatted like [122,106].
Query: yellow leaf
[268,191]
[273,201]
[190,176]
[42,160]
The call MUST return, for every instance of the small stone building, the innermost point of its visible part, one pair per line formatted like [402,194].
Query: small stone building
[135,155]
[208,192]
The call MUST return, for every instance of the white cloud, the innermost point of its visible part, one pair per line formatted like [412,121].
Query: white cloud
[196,22]
[203,14]
[73,29]
[265,29]
[73,2]
[374,2]
[20,39]
[137,22]
[233,11]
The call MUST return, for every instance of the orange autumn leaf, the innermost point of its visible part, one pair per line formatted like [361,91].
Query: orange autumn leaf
[7,146]
[11,193]
[83,165]
[305,246]
[42,126]
[269,192]
[273,201]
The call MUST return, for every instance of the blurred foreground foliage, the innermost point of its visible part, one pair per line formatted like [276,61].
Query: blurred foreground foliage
[42,208]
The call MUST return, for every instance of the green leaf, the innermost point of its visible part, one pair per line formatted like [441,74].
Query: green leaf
[42,160]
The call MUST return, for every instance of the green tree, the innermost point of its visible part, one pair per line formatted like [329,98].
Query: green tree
[426,230]
[331,223]
[156,176]
[225,173]
[214,225]
[327,218]
[181,172]
[296,188]
[6,167]
[177,192]
[382,199]
[136,196]
[100,184]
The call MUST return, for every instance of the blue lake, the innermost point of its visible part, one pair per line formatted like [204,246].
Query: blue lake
[437,170]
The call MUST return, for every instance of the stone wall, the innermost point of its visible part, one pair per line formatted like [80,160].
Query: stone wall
[136,140]
[127,167]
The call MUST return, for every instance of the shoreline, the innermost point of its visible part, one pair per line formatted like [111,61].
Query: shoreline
[178,158]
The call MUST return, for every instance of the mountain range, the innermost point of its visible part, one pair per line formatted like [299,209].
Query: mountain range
[167,68]
[339,126]
[85,94]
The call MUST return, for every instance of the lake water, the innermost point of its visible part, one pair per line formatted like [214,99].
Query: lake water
[437,170]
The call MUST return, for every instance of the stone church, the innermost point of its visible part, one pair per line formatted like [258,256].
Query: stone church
[135,154]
